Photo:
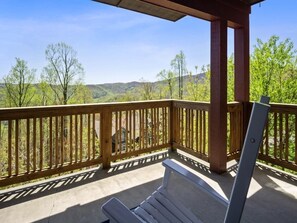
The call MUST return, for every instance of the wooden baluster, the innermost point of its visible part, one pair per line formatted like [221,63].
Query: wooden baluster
[28,145]
[295,138]
[146,128]
[281,143]
[120,133]
[51,141]
[201,131]
[164,118]
[275,135]
[34,145]
[134,129]
[196,130]
[116,140]
[81,138]
[9,168]
[157,132]
[89,136]
[93,136]
[192,129]
[287,136]
[57,141]
[40,144]
[76,138]
[71,139]
[204,132]
[130,131]
[62,141]
[182,137]
[127,142]
[267,137]
[16,147]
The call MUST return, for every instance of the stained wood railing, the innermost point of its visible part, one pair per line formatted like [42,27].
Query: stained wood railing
[280,137]
[44,141]
[191,127]
[234,130]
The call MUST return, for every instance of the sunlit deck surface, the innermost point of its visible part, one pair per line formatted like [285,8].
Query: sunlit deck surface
[78,197]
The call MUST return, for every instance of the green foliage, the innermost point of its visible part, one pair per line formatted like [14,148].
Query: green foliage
[170,78]
[198,86]
[63,73]
[230,78]
[83,95]
[44,94]
[179,68]
[19,89]
[147,90]
[273,70]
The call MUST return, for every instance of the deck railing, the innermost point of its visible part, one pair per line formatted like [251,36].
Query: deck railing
[191,127]
[235,134]
[43,141]
[280,137]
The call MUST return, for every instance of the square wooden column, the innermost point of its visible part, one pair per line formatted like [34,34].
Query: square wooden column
[218,97]
[242,69]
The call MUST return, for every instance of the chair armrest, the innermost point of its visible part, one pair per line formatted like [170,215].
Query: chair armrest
[197,181]
[116,211]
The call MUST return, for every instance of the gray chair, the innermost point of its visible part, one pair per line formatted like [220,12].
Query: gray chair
[163,207]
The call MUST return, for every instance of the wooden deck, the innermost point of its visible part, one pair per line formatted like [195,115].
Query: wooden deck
[77,198]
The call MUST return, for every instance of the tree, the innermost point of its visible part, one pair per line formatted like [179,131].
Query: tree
[63,73]
[230,78]
[178,64]
[19,89]
[273,70]
[83,95]
[44,95]
[146,90]
[170,79]
[192,87]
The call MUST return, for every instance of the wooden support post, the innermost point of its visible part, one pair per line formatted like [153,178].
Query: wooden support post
[173,125]
[105,136]
[242,70]
[218,98]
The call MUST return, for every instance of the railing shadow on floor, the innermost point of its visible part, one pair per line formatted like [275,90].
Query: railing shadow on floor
[46,187]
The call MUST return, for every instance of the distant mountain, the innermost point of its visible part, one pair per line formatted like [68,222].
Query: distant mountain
[112,91]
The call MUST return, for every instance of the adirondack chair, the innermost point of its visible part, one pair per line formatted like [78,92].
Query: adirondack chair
[163,207]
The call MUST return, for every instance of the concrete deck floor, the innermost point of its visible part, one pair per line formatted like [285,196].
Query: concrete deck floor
[78,197]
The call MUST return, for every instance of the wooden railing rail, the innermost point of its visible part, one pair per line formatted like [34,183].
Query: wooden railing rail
[234,130]
[280,137]
[139,127]
[191,127]
[42,141]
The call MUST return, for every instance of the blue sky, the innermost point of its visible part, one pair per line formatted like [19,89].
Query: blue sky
[117,45]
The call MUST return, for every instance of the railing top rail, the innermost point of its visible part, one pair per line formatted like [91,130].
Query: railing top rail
[205,106]
[50,111]
[283,108]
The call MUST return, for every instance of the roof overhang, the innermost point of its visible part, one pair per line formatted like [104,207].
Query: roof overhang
[235,12]
[146,8]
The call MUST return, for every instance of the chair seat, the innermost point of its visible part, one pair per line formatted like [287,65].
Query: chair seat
[162,207]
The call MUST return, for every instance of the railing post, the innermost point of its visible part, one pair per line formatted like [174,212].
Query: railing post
[173,125]
[105,136]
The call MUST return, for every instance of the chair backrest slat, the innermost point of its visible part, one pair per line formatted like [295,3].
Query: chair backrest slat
[252,142]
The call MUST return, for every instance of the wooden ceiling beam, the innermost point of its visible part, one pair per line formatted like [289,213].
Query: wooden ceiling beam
[234,11]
